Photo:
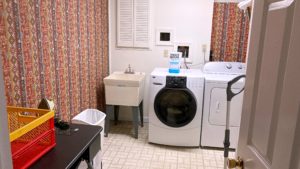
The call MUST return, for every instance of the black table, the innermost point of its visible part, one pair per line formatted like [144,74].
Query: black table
[71,147]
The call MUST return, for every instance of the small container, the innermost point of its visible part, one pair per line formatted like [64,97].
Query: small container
[95,118]
[174,62]
[32,134]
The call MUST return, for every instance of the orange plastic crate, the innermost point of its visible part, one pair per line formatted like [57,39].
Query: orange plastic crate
[32,134]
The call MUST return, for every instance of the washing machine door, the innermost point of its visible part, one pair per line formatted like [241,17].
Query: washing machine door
[175,107]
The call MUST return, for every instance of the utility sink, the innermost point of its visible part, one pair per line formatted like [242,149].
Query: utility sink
[124,89]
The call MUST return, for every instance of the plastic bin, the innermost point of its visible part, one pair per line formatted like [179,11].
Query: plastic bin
[31,135]
[96,118]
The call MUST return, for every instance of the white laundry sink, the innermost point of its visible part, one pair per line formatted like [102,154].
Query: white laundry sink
[124,89]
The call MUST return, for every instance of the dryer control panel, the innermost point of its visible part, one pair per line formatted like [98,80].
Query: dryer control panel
[176,82]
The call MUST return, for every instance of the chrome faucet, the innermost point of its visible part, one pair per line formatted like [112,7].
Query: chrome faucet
[129,70]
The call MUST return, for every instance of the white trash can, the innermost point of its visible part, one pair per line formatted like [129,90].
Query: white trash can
[96,118]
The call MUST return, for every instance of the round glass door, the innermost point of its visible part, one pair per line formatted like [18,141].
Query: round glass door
[175,107]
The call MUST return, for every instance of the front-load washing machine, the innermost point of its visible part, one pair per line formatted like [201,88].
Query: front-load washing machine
[175,107]
[217,75]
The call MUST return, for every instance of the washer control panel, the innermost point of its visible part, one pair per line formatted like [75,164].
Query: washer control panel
[229,68]
[176,82]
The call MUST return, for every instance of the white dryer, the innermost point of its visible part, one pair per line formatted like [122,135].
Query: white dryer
[175,107]
[217,75]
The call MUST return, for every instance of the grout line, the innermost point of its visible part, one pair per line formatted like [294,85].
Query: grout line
[123,151]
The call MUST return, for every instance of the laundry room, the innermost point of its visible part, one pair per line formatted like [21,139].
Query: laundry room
[147,84]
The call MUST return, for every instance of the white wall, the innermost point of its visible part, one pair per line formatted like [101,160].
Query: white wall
[191,20]
[5,155]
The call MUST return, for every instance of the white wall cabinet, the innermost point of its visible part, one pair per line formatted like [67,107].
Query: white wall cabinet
[133,23]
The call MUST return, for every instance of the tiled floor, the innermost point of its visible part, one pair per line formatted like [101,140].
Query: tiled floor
[122,151]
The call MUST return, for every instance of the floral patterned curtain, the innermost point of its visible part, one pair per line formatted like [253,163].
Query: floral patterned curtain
[56,49]
[230,30]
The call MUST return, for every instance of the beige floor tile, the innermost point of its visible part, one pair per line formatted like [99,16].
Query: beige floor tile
[156,165]
[122,151]
[197,167]
[170,166]
[115,166]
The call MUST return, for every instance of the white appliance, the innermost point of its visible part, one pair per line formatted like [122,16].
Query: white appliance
[217,75]
[175,107]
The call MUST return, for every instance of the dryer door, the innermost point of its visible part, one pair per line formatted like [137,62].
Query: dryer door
[175,107]
[217,109]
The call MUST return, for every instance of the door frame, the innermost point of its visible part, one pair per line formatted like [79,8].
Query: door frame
[5,153]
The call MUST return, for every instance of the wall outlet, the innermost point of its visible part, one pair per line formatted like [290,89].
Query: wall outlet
[166,53]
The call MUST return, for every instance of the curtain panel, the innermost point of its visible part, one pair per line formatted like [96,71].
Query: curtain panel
[230,28]
[55,49]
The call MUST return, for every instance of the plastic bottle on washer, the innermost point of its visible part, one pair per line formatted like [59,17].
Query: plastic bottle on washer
[174,62]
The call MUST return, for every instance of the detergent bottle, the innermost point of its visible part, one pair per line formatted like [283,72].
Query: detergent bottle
[174,62]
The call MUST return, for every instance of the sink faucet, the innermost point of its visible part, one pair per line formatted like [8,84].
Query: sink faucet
[129,70]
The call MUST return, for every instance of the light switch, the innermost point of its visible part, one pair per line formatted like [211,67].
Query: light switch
[166,53]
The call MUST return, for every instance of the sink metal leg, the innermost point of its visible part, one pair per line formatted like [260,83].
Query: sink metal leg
[135,121]
[116,113]
[141,113]
[109,111]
